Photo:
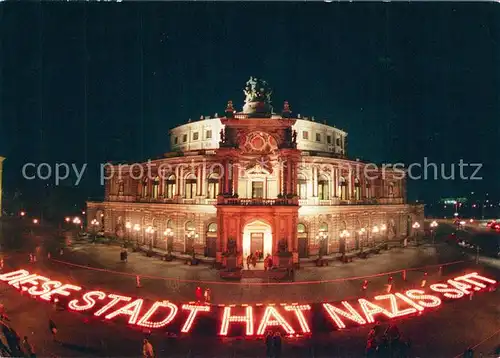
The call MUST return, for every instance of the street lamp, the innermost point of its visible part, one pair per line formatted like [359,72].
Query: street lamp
[22,214]
[128,227]
[77,221]
[361,232]
[35,221]
[150,231]
[94,223]
[375,231]
[433,226]
[67,219]
[192,235]
[344,234]
[415,227]
[168,233]
[383,229]
[322,237]
[137,228]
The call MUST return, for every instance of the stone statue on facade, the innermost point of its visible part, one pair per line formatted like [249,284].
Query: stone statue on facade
[257,90]
[257,96]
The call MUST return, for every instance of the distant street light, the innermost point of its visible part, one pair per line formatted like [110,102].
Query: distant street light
[168,233]
[22,213]
[150,231]
[416,226]
[78,222]
[95,224]
[433,226]
[67,219]
[128,227]
[35,221]
[137,228]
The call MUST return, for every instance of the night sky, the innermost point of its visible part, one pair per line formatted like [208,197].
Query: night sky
[404,80]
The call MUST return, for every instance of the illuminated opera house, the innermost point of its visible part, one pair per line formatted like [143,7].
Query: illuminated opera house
[255,180]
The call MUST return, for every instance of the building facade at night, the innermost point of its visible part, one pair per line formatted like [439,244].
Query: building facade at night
[255,180]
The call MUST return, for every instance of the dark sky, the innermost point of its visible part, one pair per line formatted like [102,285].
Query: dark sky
[405,80]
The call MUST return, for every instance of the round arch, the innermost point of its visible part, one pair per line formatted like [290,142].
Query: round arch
[190,188]
[189,236]
[211,239]
[303,240]
[257,237]
[323,187]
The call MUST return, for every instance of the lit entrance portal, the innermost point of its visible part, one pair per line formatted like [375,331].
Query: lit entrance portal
[257,235]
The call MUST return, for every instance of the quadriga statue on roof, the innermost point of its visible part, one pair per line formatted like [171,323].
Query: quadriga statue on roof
[257,97]
[257,90]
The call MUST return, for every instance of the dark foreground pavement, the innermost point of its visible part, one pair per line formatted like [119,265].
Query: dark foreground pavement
[445,332]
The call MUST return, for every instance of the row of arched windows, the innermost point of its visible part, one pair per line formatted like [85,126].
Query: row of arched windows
[323,188]
[170,187]
[190,226]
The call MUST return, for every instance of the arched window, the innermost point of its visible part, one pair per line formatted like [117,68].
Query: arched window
[156,188]
[212,227]
[323,227]
[211,240]
[342,188]
[301,228]
[190,187]
[302,240]
[189,226]
[145,188]
[302,186]
[213,185]
[323,238]
[121,187]
[169,224]
[368,190]
[170,187]
[357,189]
[390,189]
[323,188]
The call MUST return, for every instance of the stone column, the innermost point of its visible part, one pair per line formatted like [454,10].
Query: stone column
[265,188]
[362,186]
[181,181]
[199,179]
[276,233]
[280,178]
[1,191]
[288,176]
[177,181]
[295,177]
[226,176]
[204,179]
[332,184]
[235,170]
[315,180]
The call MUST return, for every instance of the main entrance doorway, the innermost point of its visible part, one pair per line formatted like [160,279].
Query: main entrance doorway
[257,241]
[257,236]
